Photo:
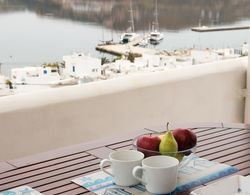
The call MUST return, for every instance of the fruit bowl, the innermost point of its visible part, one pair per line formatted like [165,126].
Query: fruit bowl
[180,155]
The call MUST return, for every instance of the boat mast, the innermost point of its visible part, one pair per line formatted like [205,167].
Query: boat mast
[131,21]
[156,24]
[112,25]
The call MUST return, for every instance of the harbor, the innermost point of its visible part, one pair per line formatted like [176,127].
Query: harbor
[135,57]
[83,35]
[136,46]
[125,48]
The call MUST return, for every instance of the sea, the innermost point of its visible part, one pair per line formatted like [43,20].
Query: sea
[36,32]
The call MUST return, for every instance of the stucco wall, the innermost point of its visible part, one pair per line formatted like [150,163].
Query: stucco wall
[40,121]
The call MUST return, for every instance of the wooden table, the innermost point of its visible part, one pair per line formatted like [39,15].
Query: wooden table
[52,172]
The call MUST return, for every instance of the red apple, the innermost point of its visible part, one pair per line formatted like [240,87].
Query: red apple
[148,143]
[185,138]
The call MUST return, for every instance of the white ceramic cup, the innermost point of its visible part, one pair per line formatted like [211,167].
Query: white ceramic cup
[159,174]
[122,163]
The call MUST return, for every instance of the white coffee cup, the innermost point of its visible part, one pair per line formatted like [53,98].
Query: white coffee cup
[122,163]
[159,174]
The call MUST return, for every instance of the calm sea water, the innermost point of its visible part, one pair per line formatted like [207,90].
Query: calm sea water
[33,33]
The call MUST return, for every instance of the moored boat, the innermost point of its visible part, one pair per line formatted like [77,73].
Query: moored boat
[155,36]
[128,37]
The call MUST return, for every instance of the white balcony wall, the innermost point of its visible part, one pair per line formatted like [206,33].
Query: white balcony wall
[41,121]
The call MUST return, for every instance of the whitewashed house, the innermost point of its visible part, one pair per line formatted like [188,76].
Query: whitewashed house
[82,66]
[121,67]
[125,66]
[35,75]
[148,60]
[154,61]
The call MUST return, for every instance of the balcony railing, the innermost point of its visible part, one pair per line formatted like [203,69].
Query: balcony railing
[41,121]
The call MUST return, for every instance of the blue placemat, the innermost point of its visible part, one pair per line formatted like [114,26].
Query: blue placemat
[199,171]
[22,190]
[196,171]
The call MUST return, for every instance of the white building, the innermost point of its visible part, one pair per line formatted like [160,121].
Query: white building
[154,61]
[35,75]
[148,60]
[120,68]
[82,66]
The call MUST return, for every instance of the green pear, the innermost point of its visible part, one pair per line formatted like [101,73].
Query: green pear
[168,145]
[179,156]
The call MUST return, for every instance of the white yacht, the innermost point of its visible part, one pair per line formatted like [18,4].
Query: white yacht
[155,36]
[128,37]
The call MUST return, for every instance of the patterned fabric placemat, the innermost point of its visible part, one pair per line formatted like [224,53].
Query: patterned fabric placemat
[22,190]
[195,173]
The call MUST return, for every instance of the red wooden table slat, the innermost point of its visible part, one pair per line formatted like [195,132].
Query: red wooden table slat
[101,153]
[120,145]
[235,157]
[77,191]
[222,135]
[43,164]
[218,131]
[125,148]
[221,153]
[62,189]
[242,165]
[232,146]
[71,150]
[243,159]
[245,171]
[53,176]
[48,170]
[202,146]
[4,166]
[61,180]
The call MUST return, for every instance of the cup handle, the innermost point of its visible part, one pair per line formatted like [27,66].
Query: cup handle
[135,173]
[103,163]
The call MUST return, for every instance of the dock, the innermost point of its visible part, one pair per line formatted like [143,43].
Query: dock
[123,49]
[211,29]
